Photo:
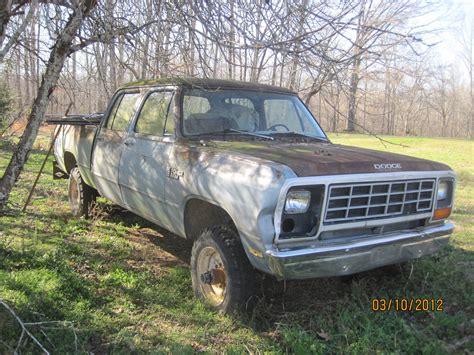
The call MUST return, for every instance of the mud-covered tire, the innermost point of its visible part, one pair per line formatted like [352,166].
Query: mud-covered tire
[240,277]
[80,195]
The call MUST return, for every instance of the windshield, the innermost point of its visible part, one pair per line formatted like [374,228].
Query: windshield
[240,112]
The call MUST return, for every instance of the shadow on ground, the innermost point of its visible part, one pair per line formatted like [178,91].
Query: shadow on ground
[277,297]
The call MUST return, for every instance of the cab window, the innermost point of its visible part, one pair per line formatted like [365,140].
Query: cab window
[156,115]
[122,111]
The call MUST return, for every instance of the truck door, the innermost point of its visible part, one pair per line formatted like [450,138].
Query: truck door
[109,144]
[144,163]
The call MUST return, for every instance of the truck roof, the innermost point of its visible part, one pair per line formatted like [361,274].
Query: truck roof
[209,84]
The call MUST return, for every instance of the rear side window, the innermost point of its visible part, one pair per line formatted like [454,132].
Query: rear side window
[156,114]
[113,111]
[122,111]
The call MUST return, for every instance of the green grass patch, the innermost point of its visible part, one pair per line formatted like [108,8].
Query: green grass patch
[120,284]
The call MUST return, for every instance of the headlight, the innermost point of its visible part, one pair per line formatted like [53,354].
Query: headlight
[297,202]
[442,190]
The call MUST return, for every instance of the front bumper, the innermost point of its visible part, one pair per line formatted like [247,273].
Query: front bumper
[363,254]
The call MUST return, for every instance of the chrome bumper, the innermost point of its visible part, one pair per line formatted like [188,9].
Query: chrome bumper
[360,255]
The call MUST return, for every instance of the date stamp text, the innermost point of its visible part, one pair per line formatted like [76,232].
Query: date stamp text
[407,304]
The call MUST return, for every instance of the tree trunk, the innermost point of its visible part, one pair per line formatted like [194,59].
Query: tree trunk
[364,114]
[387,102]
[27,75]
[31,56]
[254,66]
[18,79]
[38,64]
[55,64]
[146,44]
[282,68]
[245,61]
[274,67]
[297,45]
[351,115]
[232,43]
[112,57]
[471,84]
[216,56]
[5,8]
[336,111]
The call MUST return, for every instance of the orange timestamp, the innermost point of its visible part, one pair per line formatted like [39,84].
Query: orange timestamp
[407,304]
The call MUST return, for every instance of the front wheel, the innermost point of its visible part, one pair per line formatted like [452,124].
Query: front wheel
[80,195]
[221,272]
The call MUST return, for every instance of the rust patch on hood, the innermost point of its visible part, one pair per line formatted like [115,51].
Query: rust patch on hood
[316,159]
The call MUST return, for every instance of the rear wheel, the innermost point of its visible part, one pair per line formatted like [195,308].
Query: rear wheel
[221,272]
[81,196]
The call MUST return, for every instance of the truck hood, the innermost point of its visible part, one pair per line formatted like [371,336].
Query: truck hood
[315,159]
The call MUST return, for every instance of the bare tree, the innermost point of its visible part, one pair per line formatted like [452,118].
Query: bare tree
[56,60]
[467,55]
[76,14]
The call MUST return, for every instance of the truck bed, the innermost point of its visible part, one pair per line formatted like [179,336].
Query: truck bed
[75,141]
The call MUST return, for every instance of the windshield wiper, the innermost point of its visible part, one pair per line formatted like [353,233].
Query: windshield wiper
[228,130]
[250,133]
[304,135]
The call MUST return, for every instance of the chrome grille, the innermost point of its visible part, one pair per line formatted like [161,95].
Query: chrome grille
[355,202]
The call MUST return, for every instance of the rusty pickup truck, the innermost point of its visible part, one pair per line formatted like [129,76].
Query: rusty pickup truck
[246,172]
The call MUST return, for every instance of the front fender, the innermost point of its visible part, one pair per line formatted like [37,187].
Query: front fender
[246,188]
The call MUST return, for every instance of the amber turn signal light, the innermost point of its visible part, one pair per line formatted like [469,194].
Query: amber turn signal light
[442,213]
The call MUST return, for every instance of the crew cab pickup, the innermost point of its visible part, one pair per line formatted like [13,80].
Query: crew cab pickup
[246,172]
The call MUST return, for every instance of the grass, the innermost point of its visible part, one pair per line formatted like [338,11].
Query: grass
[120,284]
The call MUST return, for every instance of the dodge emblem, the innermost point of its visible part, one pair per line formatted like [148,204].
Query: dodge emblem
[387,166]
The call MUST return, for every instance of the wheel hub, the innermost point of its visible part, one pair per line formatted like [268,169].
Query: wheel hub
[212,275]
